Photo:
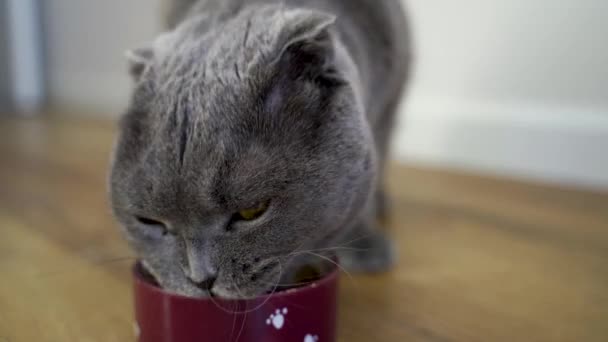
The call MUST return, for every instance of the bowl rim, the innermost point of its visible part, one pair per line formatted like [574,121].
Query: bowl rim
[141,282]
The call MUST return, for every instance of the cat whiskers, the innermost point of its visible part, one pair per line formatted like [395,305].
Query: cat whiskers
[257,307]
[343,246]
[294,254]
[234,316]
[238,290]
[325,258]
[332,261]
[233,321]
[314,252]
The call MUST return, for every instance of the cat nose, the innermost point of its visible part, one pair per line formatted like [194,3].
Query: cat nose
[202,278]
[205,284]
[199,267]
[200,271]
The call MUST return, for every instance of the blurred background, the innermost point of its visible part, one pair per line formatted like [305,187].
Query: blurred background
[515,88]
[499,187]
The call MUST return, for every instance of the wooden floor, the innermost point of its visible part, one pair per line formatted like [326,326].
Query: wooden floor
[480,259]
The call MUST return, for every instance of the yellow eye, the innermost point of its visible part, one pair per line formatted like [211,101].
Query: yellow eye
[253,213]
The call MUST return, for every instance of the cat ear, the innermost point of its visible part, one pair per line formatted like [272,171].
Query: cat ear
[306,47]
[142,57]
[139,59]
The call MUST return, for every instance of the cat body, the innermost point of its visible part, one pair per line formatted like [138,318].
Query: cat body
[256,139]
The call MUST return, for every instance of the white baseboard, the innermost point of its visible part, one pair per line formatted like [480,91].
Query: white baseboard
[566,146]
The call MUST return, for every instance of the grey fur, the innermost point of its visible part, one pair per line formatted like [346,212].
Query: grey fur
[249,101]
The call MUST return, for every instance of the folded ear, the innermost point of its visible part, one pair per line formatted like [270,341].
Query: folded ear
[306,47]
[139,59]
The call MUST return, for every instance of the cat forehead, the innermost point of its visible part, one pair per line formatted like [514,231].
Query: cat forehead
[202,84]
[198,173]
[222,51]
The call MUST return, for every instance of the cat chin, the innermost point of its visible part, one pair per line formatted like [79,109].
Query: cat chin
[230,294]
[225,294]
[183,289]
[192,292]
[174,285]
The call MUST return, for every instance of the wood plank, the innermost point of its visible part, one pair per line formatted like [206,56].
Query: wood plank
[481,259]
[49,295]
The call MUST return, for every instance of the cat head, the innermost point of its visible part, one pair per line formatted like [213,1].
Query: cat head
[244,143]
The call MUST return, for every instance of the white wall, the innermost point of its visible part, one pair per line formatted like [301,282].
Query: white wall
[542,51]
[86,44]
[512,87]
[516,87]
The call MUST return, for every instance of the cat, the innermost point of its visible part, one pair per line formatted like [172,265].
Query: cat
[256,139]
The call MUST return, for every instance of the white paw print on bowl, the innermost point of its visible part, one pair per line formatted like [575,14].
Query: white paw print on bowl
[277,319]
[311,338]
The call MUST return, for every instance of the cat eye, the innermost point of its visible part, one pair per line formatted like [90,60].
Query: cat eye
[152,223]
[251,214]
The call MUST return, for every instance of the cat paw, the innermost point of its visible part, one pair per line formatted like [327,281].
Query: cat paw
[374,253]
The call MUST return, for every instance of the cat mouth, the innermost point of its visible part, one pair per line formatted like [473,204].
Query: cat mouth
[221,292]
[303,277]
[206,285]
[265,283]
[233,293]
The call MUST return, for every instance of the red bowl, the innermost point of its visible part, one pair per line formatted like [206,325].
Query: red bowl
[304,314]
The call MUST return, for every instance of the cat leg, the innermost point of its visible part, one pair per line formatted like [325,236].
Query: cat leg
[382,134]
[367,249]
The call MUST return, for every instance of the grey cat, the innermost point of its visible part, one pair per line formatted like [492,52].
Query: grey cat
[256,139]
